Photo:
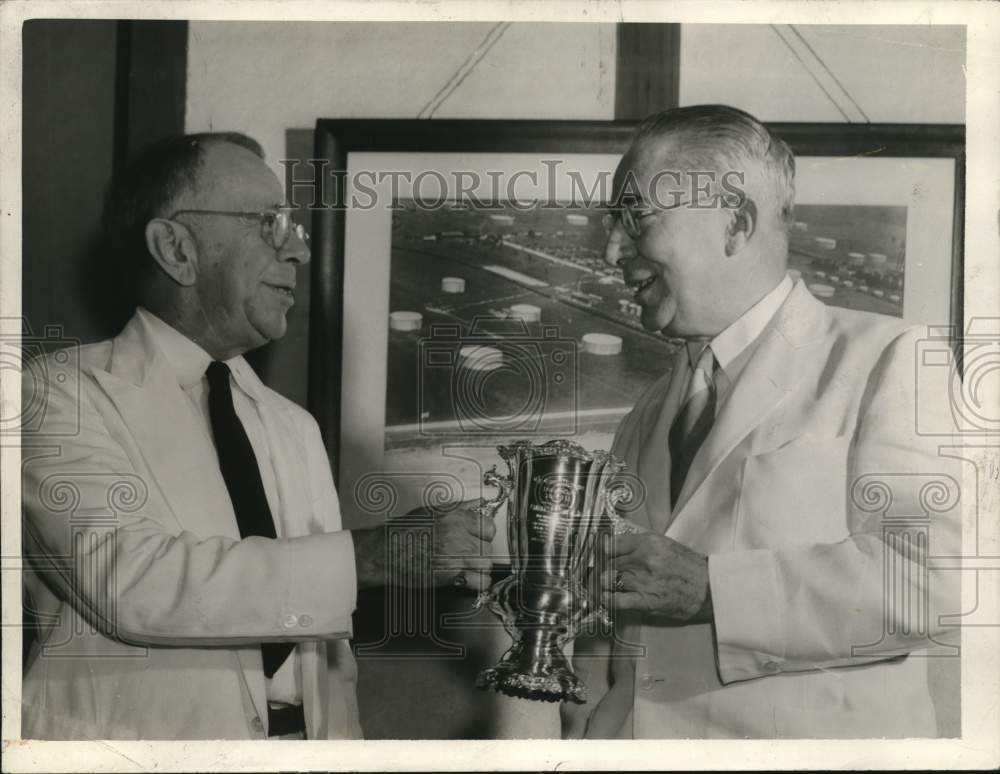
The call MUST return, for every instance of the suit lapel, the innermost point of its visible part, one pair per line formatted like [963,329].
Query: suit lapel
[654,457]
[176,446]
[768,378]
[296,516]
[173,438]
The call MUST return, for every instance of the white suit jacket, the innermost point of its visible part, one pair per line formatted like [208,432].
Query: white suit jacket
[809,560]
[152,607]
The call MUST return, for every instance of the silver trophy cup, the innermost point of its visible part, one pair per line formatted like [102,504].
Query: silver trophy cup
[559,499]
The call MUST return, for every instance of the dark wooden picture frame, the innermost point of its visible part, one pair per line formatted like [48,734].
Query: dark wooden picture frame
[336,139]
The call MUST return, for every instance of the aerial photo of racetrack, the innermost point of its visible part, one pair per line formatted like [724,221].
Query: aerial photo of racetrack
[506,322]
[851,256]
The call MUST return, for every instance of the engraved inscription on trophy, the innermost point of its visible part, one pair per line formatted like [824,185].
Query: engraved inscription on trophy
[558,499]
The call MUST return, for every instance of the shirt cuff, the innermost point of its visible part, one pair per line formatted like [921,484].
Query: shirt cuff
[748,627]
[323,589]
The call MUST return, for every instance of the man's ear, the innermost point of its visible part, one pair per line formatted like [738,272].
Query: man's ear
[173,248]
[742,225]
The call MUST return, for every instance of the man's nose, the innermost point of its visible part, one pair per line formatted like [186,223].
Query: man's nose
[295,250]
[619,246]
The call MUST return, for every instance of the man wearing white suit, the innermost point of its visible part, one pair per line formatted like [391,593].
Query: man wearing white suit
[754,602]
[184,546]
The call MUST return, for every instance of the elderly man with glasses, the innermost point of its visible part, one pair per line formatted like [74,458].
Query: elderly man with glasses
[185,553]
[782,586]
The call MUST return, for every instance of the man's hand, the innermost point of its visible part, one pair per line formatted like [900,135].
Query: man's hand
[423,549]
[461,548]
[657,576]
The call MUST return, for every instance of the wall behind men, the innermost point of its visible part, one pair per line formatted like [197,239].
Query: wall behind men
[68,125]
[779,72]
[94,91]
[302,71]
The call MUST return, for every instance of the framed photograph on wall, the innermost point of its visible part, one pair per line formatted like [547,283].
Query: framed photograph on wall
[459,297]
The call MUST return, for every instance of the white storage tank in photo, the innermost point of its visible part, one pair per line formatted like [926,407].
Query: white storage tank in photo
[480,358]
[602,344]
[527,312]
[405,321]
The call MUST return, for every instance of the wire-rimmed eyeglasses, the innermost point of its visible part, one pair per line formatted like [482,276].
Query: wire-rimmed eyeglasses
[276,226]
[629,215]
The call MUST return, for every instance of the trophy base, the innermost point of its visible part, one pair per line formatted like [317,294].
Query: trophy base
[560,686]
[535,668]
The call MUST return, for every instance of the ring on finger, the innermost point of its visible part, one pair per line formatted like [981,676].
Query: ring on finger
[620,581]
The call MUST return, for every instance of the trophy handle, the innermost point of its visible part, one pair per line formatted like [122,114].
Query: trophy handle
[619,525]
[503,484]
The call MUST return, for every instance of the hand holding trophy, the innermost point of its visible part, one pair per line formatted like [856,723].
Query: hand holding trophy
[559,499]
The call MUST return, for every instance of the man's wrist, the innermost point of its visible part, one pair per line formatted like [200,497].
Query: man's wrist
[370,557]
[381,561]
[705,613]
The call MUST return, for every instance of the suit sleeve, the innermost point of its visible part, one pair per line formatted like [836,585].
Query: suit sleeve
[326,505]
[875,595]
[98,534]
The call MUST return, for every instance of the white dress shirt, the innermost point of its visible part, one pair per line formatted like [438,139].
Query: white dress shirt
[733,347]
[190,362]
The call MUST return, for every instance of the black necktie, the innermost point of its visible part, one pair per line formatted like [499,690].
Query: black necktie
[695,419]
[242,476]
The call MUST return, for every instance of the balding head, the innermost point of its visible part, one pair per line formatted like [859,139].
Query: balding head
[150,186]
[723,141]
[202,219]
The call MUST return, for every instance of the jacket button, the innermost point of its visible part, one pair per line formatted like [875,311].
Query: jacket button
[646,682]
[772,666]
[305,620]
[290,621]
[258,724]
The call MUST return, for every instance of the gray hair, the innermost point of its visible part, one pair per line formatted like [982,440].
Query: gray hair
[147,188]
[720,138]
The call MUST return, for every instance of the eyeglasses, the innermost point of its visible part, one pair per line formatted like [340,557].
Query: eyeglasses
[276,226]
[630,215]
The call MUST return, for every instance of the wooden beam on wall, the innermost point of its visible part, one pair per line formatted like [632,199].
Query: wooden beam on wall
[647,76]
[151,90]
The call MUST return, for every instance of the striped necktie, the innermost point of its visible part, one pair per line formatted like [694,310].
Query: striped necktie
[242,476]
[693,422]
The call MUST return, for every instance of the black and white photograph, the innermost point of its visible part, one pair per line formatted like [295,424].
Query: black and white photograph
[556,386]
